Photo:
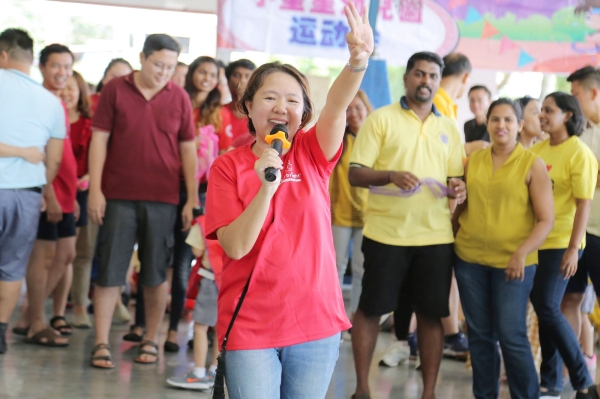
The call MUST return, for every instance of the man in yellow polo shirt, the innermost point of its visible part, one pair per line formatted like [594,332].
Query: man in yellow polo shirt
[454,83]
[410,151]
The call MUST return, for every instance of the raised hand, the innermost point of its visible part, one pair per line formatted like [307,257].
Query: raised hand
[360,38]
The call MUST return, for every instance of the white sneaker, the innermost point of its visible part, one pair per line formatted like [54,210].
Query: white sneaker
[397,353]
[121,314]
[550,395]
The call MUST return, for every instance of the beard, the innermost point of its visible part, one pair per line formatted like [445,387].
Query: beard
[423,98]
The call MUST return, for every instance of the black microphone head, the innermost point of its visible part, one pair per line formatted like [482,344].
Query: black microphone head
[280,127]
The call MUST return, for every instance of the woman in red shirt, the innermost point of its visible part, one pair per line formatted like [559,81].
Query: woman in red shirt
[77,101]
[202,84]
[285,340]
[117,67]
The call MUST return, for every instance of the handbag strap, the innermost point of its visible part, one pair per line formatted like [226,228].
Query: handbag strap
[235,312]
[219,385]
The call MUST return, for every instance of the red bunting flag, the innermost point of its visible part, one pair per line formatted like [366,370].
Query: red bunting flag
[488,31]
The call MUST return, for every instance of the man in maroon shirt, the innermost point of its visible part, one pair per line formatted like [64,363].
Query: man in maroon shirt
[143,133]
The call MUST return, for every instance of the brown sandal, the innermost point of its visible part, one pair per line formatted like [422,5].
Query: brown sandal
[50,335]
[107,358]
[142,351]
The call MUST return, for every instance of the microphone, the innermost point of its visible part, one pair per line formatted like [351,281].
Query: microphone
[278,140]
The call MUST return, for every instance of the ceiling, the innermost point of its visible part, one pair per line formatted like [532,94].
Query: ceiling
[200,6]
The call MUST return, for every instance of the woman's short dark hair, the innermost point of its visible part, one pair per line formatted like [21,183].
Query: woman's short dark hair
[158,42]
[524,101]
[242,63]
[568,103]
[256,81]
[507,101]
[112,63]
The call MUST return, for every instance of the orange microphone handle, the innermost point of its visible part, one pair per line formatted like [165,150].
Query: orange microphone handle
[279,136]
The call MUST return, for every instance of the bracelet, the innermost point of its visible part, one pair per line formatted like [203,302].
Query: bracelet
[357,69]
[389,177]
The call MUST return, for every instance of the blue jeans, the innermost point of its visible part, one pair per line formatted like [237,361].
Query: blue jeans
[300,371]
[557,339]
[496,311]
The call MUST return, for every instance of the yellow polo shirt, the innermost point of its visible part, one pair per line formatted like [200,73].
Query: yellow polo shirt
[499,216]
[394,138]
[347,203]
[573,169]
[445,104]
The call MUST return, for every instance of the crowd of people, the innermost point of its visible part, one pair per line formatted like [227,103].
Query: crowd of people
[171,158]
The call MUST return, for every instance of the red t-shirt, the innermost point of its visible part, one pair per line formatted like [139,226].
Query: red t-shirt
[142,160]
[81,135]
[294,296]
[224,133]
[65,182]
[239,127]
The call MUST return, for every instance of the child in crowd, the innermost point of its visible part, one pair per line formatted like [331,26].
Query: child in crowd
[203,285]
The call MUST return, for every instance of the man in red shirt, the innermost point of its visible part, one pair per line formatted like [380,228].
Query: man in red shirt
[237,73]
[143,133]
[56,230]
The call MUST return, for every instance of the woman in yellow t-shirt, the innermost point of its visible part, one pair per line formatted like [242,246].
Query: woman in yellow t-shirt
[348,203]
[506,218]
[532,130]
[573,170]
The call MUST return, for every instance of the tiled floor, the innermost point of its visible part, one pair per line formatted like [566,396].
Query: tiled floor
[31,372]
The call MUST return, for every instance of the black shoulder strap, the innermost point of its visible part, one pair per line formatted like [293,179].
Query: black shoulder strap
[219,385]
[235,312]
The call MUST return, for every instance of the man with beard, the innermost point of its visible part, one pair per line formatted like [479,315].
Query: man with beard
[414,151]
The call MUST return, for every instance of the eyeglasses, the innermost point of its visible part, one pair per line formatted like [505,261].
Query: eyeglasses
[159,66]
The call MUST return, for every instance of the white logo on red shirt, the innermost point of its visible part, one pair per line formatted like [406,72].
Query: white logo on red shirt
[289,175]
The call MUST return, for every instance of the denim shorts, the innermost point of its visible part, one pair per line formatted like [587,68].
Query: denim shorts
[19,216]
[205,309]
[301,371]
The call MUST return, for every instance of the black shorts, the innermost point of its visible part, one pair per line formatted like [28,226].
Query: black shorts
[82,200]
[588,266]
[420,276]
[152,225]
[54,231]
